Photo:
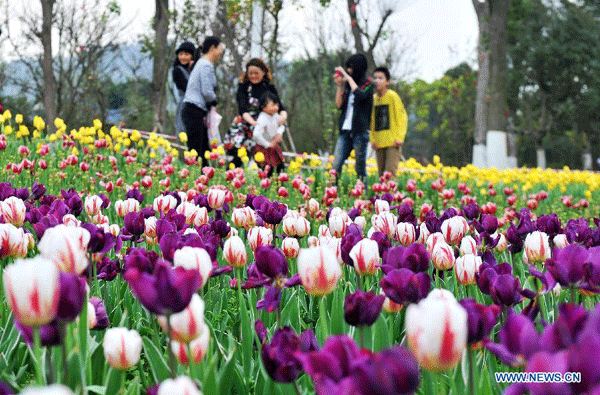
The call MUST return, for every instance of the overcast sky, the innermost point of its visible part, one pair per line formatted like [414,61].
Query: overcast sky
[444,31]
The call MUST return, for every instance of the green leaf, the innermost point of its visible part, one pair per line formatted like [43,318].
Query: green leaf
[96,389]
[114,381]
[158,365]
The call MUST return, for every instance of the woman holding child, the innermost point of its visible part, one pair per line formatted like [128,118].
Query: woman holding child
[254,83]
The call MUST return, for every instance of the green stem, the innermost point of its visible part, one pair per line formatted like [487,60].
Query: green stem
[437,277]
[37,352]
[297,388]
[361,336]
[169,349]
[192,363]
[358,282]
[572,298]
[471,375]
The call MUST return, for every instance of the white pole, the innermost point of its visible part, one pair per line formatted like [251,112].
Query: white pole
[256,33]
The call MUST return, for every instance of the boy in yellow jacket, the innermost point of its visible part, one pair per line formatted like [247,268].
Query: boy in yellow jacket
[388,123]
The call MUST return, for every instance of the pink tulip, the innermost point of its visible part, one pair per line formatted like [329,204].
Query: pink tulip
[187,324]
[194,258]
[436,329]
[32,289]
[122,347]
[365,255]
[466,267]
[182,385]
[536,247]
[290,247]
[405,233]
[454,229]
[198,347]
[13,211]
[66,247]
[442,256]
[319,270]
[234,252]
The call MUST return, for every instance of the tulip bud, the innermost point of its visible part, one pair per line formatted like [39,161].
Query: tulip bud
[54,389]
[405,233]
[198,347]
[319,270]
[32,289]
[13,211]
[150,227]
[194,258]
[312,241]
[259,236]
[466,267]
[468,245]
[290,247]
[182,385]
[187,324]
[92,205]
[312,206]
[365,255]
[122,347]
[442,256]
[234,252]
[454,229]
[436,329]
[560,241]
[536,247]
[66,247]
[216,198]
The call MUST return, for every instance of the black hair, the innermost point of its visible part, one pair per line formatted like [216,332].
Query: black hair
[385,72]
[358,63]
[267,97]
[185,47]
[210,41]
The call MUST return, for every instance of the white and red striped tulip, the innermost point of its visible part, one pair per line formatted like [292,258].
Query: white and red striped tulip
[312,206]
[259,236]
[124,207]
[502,243]
[182,385]
[92,205]
[150,227]
[319,270]
[324,231]
[122,347]
[385,222]
[13,211]
[436,330]
[361,221]
[468,245]
[423,234]
[99,219]
[70,220]
[560,240]
[337,225]
[381,206]
[432,240]
[365,255]
[234,252]
[198,348]
[454,229]
[536,247]
[187,324]
[14,242]
[466,267]
[216,197]
[443,256]
[32,289]
[405,233]
[189,210]
[290,247]
[201,217]
[164,203]
[312,241]
[66,247]
[194,258]
[54,389]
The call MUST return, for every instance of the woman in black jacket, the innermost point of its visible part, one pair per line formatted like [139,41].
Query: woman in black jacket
[354,96]
[253,84]
[182,67]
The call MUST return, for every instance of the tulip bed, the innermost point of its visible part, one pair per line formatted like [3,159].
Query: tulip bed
[126,270]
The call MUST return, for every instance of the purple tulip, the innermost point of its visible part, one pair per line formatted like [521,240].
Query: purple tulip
[168,244]
[279,356]
[72,294]
[592,267]
[271,262]
[134,223]
[255,278]
[488,272]
[432,222]
[391,371]
[547,280]
[101,242]
[544,362]
[518,340]
[480,319]
[271,213]
[346,245]
[577,230]
[152,390]
[37,191]
[140,259]
[489,223]
[49,334]
[567,264]
[583,356]
[549,224]
[505,290]
[167,290]
[404,286]
[134,194]
[102,321]
[220,227]
[271,300]
[362,308]
[108,270]
[73,201]
[353,213]
[564,331]
[406,214]
[261,330]
[383,241]
[5,389]
[471,211]
[414,257]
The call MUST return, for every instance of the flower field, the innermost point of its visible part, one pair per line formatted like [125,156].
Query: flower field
[127,268]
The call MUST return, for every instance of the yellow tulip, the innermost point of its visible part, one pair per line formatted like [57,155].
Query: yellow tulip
[19,119]
[183,137]
[259,157]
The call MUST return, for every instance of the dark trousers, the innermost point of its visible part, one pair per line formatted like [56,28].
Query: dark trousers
[193,119]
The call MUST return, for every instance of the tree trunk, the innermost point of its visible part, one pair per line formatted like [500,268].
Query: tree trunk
[358,44]
[498,106]
[481,101]
[47,64]
[160,65]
